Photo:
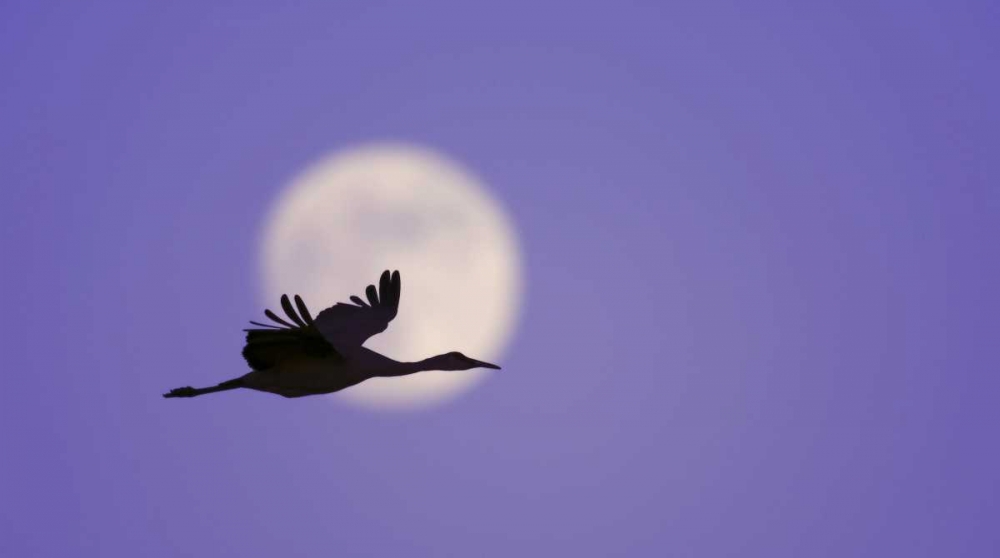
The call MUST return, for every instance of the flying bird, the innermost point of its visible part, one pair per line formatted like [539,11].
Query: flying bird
[301,356]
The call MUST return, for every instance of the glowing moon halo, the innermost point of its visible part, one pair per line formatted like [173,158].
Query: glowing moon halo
[392,206]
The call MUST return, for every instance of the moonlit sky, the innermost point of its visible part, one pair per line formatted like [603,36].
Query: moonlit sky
[378,206]
[760,313]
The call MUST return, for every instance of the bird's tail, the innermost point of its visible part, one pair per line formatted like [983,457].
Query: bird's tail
[188,391]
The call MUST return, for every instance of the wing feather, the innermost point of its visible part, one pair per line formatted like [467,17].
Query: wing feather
[384,287]
[372,295]
[303,310]
[275,317]
[286,305]
[269,326]
[397,288]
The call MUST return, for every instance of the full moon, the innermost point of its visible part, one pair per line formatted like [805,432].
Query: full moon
[354,213]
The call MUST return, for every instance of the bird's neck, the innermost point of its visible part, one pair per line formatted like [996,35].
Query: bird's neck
[396,368]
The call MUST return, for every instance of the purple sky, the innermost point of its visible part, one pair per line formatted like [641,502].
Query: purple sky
[761,278]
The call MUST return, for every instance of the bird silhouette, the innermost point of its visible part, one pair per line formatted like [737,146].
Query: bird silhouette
[302,356]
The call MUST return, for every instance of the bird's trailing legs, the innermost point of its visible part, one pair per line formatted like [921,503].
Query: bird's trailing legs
[188,391]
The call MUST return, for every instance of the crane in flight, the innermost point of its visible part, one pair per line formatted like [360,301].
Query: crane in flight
[304,356]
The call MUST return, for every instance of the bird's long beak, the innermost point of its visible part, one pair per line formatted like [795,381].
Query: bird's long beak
[481,364]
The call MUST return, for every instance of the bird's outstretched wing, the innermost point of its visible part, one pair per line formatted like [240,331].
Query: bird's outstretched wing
[348,326]
[269,345]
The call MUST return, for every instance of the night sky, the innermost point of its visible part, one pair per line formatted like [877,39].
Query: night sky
[760,278]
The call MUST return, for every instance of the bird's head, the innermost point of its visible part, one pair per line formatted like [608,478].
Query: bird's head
[457,361]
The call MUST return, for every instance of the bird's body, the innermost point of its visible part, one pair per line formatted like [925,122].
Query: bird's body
[300,376]
[305,376]
[311,357]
